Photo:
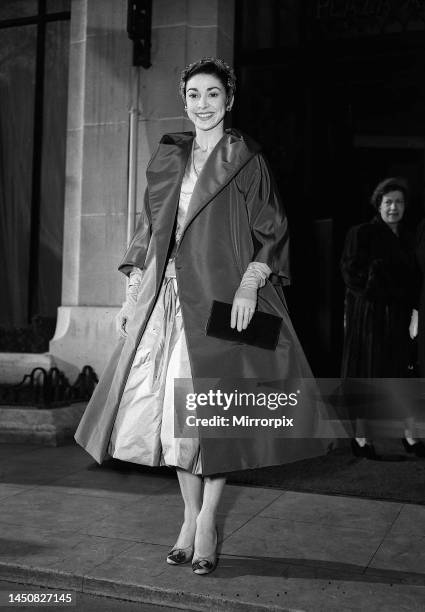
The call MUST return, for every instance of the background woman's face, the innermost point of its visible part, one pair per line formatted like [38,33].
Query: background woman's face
[392,207]
[205,101]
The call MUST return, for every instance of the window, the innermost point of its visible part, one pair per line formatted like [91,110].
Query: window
[34,49]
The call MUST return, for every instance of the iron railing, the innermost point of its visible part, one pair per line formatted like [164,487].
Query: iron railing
[49,389]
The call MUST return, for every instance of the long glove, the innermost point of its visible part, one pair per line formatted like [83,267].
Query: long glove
[129,306]
[413,327]
[245,299]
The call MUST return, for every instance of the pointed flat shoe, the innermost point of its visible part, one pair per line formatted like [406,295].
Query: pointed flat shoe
[418,448]
[179,556]
[205,565]
[367,451]
[202,567]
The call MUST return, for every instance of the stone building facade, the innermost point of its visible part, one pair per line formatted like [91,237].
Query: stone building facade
[103,88]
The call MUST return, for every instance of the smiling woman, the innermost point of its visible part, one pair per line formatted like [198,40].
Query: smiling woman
[213,229]
[392,208]
[206,101]
[379,270]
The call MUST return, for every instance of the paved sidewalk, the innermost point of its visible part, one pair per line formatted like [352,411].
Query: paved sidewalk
[67,523]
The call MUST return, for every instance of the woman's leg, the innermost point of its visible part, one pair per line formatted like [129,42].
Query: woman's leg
[205,540]
[191,490]
[362,446]
[410,442]
[409,428]
[361,437]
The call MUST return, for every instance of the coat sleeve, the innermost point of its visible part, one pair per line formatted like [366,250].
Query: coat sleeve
[355,261]
[136,252]
[420,245]
[420,264]
[268,221]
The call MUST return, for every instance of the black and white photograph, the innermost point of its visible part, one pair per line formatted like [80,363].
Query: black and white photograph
[212,305]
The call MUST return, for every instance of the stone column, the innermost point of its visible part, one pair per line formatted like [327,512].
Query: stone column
[103,86]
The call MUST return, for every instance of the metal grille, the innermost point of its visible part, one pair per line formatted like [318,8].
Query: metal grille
[49,389]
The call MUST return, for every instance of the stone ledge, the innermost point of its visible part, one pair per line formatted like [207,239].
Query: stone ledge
[85,335]
[199,602]
[48,426]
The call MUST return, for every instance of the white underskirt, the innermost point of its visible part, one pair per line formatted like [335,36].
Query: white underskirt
[144,427]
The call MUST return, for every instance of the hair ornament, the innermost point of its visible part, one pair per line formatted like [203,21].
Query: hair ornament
[213,64]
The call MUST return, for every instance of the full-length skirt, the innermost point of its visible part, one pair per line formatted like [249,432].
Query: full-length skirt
[143,431]
[376,338]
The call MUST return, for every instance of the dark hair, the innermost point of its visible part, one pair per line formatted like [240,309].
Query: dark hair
[387,185]
[210,65]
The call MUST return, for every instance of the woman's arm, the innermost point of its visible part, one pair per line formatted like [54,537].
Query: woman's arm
[355,261]
[132,265]
[129,306]
[136,253]
[414,321]
[267,218]
[245,299]
[269,229]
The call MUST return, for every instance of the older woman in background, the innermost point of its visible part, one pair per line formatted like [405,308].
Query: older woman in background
[379,271]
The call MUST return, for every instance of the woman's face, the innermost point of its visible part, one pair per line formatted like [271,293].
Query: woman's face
[205,101]
[392,207]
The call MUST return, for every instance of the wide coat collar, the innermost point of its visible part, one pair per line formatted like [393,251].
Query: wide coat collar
[403,238]
[166,169]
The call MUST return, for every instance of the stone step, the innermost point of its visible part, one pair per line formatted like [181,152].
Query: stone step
[32,425]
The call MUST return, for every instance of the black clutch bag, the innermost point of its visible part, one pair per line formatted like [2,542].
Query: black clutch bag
[262,331]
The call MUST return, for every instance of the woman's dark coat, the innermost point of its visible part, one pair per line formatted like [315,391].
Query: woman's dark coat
[235,217]
[379,271]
